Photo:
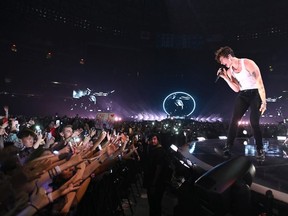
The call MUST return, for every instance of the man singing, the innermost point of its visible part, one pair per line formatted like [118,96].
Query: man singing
[243,76]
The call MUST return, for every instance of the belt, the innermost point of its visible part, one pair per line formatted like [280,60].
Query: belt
[249,90]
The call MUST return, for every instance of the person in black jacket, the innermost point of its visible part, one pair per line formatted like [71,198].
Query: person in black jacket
[155,174]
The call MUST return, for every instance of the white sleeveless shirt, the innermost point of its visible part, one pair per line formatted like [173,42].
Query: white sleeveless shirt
[246,80]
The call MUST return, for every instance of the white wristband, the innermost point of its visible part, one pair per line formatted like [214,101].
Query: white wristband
[58,170]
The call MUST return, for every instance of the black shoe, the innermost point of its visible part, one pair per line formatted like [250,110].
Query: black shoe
[223,152]
[260,155]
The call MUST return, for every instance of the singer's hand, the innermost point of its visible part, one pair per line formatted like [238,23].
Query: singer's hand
[220,72]
[262,108]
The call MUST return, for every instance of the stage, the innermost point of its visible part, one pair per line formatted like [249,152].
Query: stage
[270,175]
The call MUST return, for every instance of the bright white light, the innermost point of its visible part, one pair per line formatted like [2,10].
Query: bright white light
[146,117]
[245,132]
[222,137]
[186,165]
[245,142]
[77,139]
[281,138]
[191,150]
[243,123]
[201,138]
[189,163]
[174,147]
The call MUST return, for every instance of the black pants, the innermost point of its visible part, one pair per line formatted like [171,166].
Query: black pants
[246,99]
[155,195]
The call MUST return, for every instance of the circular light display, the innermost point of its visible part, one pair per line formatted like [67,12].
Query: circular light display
[179,104]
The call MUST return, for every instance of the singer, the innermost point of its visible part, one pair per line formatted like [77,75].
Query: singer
[243,76]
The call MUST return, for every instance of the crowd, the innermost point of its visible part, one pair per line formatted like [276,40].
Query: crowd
[43,162]
[48,164]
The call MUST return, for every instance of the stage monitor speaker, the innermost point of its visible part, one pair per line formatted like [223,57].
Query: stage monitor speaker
[225,188]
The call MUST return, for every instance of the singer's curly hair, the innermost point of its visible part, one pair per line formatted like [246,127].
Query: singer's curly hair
[223,51]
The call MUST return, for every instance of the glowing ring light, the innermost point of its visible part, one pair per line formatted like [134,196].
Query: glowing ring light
[178,101]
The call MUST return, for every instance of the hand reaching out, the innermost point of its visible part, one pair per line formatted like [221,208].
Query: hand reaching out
[92,132]
[77,132]
[6,109]
[34,170]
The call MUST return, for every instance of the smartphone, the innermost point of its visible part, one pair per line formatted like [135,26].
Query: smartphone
[57,122]
[137,137]
[49,135]
[38,129]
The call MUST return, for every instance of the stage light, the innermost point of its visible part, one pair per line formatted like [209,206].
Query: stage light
[222,137]
[189,163]
[201,138]
[182,162]
[281,138]
[192,149]
[174,147]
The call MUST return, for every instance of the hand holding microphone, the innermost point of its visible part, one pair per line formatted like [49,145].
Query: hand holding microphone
[220,72]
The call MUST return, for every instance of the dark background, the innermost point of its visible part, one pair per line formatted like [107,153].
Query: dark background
[142,49]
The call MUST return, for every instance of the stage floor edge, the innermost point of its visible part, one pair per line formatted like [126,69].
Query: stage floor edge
[204,156]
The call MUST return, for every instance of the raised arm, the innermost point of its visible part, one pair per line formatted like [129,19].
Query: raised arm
[230,80]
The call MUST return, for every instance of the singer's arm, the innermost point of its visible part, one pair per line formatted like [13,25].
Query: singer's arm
[231,81]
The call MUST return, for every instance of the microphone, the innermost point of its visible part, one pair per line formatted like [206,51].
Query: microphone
[218,75]
[217,78]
